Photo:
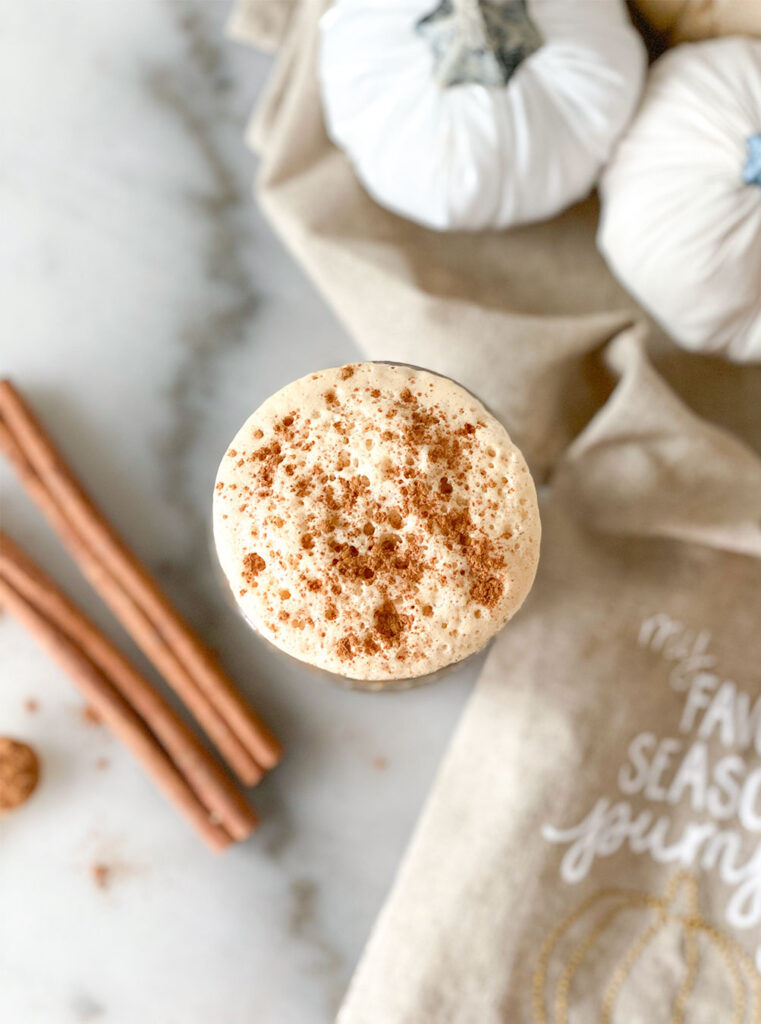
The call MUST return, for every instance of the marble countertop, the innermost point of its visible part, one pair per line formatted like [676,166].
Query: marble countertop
[146,309]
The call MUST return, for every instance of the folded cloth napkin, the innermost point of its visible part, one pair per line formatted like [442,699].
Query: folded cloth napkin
[517,316]
[589,852]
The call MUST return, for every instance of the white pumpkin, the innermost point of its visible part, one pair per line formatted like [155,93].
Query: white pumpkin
[478,113]
[681,199]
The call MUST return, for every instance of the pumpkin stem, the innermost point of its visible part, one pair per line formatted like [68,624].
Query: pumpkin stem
[479,41]
[752,169]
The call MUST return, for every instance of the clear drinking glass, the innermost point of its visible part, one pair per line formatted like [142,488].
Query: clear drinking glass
[365,685]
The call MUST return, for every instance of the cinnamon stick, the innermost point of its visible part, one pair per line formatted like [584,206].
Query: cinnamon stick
[116,713]
[213,787]
[143,631]
[133,578]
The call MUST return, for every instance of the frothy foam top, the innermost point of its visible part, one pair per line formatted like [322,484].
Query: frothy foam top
[376,521]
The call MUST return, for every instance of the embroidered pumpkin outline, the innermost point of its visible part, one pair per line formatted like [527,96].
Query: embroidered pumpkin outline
[678,904]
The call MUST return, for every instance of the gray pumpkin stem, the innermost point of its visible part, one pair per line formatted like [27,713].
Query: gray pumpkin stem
[480,41]
[752,169]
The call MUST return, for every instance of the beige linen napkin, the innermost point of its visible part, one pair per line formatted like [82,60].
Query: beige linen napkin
[590,849]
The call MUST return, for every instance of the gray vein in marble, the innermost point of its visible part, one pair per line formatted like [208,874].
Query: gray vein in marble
[304,925]
[85,1008]
[276,832]
[200,109]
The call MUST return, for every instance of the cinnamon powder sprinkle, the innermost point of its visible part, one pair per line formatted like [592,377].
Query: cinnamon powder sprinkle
[101,875]
[344,648]
[388,622]
[90,716]
[487,591]
[253,564]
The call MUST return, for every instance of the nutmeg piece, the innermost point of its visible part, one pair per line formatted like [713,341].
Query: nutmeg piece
[19,773]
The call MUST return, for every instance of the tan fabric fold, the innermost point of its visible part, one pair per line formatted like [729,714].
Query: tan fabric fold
[685,478]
